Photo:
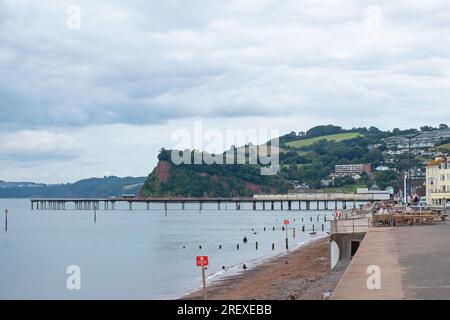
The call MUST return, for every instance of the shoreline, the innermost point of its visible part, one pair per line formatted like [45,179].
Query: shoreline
[302,274]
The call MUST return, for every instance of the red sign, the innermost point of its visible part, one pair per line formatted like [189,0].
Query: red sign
[202,261]
[286,222]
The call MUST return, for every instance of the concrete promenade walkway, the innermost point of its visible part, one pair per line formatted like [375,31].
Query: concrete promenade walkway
[414,263]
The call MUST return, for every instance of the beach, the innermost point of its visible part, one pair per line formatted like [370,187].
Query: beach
[303,274]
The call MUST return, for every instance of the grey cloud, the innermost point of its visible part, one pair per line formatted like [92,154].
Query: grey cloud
[147,62]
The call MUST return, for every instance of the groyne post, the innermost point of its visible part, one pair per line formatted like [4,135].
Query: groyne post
[6,219]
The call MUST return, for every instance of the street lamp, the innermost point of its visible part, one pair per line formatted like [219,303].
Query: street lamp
[410,137]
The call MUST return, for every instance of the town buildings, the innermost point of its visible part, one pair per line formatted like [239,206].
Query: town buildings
[438,181]
[342,170]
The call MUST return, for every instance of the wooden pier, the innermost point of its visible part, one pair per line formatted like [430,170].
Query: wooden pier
[253,203]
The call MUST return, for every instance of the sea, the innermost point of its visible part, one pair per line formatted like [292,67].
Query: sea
[139,254]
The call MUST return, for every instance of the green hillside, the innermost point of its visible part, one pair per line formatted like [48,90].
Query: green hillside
[198,180]
[332,137]
[445,147]
[305,157]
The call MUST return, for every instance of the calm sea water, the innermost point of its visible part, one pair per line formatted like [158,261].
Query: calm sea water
[135,254]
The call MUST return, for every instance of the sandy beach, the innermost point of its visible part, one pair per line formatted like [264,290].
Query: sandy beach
[303,274]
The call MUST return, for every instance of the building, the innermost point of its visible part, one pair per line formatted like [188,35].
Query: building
[377,193]
[426,139]
[438,181]
[342,170]
[383,168]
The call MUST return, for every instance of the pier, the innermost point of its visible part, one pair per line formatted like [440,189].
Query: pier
[307,201]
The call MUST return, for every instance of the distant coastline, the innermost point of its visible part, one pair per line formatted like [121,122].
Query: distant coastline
[93,187]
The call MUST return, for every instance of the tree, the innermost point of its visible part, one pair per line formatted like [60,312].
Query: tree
[365,179]
[323,131]
[374,130]
[443,126]
[427,128]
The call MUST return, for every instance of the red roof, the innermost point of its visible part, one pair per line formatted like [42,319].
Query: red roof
[435,162]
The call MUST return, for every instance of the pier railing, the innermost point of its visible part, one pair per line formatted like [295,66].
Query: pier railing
[319,196]
[284,202]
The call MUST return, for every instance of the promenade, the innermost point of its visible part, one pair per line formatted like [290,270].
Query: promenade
[414,263]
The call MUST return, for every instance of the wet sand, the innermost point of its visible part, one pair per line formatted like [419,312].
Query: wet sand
[303,274]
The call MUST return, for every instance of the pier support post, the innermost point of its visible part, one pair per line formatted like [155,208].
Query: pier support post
[264,205]
[272,205]
[254,205]
[318,205]
[335,205]
[281,203]
[308,205]
[289,205]
[344,205]
[326,205]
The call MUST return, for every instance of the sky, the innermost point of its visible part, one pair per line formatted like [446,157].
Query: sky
[95,88]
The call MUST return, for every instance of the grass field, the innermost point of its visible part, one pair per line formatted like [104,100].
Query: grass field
[333,137]
[445,147]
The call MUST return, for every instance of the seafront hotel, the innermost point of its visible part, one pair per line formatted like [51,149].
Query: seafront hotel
[438,181]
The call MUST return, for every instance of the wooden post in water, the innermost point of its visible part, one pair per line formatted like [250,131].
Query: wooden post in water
[205,293]
[6,219]
[256,245]
[287,240]
[95,213]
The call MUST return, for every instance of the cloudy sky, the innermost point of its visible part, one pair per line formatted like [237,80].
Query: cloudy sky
[101,94]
